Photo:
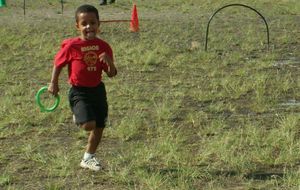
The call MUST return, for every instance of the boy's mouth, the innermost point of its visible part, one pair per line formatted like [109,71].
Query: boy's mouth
[90,34]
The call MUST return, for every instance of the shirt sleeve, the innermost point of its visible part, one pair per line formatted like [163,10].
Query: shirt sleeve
[63,56]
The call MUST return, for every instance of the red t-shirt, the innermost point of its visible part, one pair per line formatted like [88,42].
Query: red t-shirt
[82,58]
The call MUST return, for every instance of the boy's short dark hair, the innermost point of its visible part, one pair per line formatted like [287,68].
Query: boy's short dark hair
[86,9]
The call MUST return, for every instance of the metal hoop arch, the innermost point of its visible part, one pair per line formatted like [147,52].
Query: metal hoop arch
[241,5]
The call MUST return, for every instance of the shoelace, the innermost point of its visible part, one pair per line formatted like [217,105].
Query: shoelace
[93,162]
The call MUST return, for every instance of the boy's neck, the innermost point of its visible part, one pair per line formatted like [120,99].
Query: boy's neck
[83,39]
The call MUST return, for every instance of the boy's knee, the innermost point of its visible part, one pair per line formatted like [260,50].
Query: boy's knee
[89,126]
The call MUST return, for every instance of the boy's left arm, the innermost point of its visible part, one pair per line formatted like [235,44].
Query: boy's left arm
[111,71]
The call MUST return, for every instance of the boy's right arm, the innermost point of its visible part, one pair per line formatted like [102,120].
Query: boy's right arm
[53,87]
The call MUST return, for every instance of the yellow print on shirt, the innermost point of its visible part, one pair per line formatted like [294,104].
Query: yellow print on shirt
[90,58]
[89,48]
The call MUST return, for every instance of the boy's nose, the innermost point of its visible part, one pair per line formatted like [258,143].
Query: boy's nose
[88,26]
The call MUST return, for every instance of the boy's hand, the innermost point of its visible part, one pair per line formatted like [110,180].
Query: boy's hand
[53,88]
[112,71]
[105,58]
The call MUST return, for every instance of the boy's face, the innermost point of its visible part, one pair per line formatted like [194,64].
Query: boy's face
[88,25]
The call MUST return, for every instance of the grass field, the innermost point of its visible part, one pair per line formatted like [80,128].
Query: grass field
[180,118]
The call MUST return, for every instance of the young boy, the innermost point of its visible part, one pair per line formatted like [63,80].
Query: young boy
[86,56]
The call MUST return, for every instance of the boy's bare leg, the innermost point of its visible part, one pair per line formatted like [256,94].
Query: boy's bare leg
[94,140]
[94,136]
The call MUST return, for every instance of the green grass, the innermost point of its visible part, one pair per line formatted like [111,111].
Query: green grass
[180,117]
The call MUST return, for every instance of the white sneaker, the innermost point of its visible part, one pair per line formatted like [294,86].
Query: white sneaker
[91,164]
[74,119]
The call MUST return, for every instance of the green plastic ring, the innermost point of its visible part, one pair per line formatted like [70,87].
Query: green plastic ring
[42,107]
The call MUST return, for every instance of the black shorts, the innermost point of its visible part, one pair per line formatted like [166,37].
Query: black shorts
[89,104]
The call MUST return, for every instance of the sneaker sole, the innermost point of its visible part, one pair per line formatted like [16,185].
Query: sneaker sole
[86,167]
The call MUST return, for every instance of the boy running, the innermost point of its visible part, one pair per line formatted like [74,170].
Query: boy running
[86,57]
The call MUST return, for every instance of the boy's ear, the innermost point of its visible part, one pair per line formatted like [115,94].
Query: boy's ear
[77,26]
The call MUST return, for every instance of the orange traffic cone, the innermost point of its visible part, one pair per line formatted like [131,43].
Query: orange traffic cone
[134,23]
